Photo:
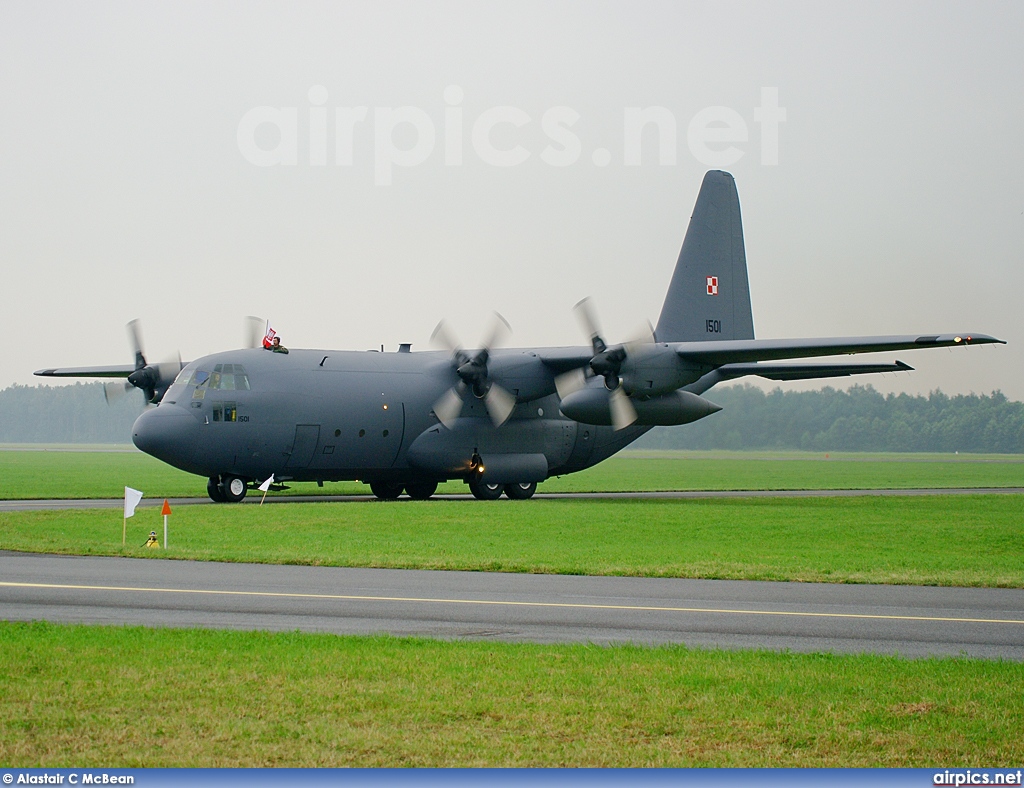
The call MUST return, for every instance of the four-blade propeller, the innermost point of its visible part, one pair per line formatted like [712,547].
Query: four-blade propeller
[607,363]
[152,380]
[473,376]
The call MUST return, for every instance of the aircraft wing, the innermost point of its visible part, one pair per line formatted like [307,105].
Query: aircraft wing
[747,350]
[119,371]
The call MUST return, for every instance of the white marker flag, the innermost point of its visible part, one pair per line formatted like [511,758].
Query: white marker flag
[131,500]
[266,485]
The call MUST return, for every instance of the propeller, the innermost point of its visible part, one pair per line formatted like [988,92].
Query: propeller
[473,376]
[607,363]
[152,379]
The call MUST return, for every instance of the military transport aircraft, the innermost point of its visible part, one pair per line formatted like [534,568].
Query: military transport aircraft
[500,419]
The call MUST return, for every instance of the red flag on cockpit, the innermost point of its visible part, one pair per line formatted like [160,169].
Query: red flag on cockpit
[268,340]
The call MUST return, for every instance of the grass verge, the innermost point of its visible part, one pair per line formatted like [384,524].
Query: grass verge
[964,540]
[97,474]
[133,697]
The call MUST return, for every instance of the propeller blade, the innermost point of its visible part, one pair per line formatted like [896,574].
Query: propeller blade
[255,330]
[443,338]
[500,329]
[168,370]
[644,335]
[115,390]
[500,404]
[570,382]
[623,412]
[449,406]
[588,321]
[135,337]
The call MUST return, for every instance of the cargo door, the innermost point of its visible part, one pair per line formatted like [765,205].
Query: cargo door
[306,437]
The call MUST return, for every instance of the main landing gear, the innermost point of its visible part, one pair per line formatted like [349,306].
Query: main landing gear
[389,491]
[520,491]
[226,488]
[386,491]
[421,491]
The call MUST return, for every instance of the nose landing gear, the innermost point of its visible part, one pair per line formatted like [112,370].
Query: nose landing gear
[226,488]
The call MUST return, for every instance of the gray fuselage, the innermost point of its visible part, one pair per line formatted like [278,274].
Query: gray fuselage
[323,415]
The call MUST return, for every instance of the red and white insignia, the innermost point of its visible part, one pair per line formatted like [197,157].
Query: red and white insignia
[712,285]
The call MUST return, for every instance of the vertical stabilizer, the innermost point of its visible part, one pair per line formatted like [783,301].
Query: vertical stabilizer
[709,297]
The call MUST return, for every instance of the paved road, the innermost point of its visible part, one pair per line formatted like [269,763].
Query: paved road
[912,621]
[114,503]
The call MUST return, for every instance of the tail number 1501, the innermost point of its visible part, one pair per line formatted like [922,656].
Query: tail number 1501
[713,326]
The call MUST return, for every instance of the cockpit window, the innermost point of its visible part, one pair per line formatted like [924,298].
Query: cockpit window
[183,377]
[199,378]
[229,377]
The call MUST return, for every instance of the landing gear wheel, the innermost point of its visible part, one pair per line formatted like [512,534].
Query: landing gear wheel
[420,491]
[386,491]
[232,489]
[520,491]
[213,490]
[485,492]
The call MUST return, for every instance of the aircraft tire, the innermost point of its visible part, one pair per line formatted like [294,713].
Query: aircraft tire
[421,491]
[386,491]
[521,491]
[485,492]
[232,488]
[213,490]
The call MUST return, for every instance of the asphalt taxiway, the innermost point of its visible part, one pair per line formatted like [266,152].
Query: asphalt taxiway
[910,621]
[113,503]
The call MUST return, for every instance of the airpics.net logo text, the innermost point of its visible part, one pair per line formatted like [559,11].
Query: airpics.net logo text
[404,137]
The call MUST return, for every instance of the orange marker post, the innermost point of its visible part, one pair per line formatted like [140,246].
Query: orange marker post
[165,511]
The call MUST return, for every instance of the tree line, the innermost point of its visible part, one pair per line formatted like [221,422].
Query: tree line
[66,414]
[860,419]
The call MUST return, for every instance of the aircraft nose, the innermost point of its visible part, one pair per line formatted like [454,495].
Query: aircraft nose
[167,433]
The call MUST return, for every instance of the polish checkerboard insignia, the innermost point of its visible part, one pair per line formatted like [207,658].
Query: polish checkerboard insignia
[712,285]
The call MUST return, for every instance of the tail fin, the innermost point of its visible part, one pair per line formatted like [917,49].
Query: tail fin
[709,297]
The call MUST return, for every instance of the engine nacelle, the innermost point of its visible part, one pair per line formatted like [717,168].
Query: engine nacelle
[591,406]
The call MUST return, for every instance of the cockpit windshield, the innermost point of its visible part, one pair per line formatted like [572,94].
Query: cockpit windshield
[225,377]
[229,377]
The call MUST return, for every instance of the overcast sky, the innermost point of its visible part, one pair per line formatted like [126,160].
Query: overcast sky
[145,171]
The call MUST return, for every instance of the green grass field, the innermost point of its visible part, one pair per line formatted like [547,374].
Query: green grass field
[133,697]
[110,696]
[975,540]
[58,473]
